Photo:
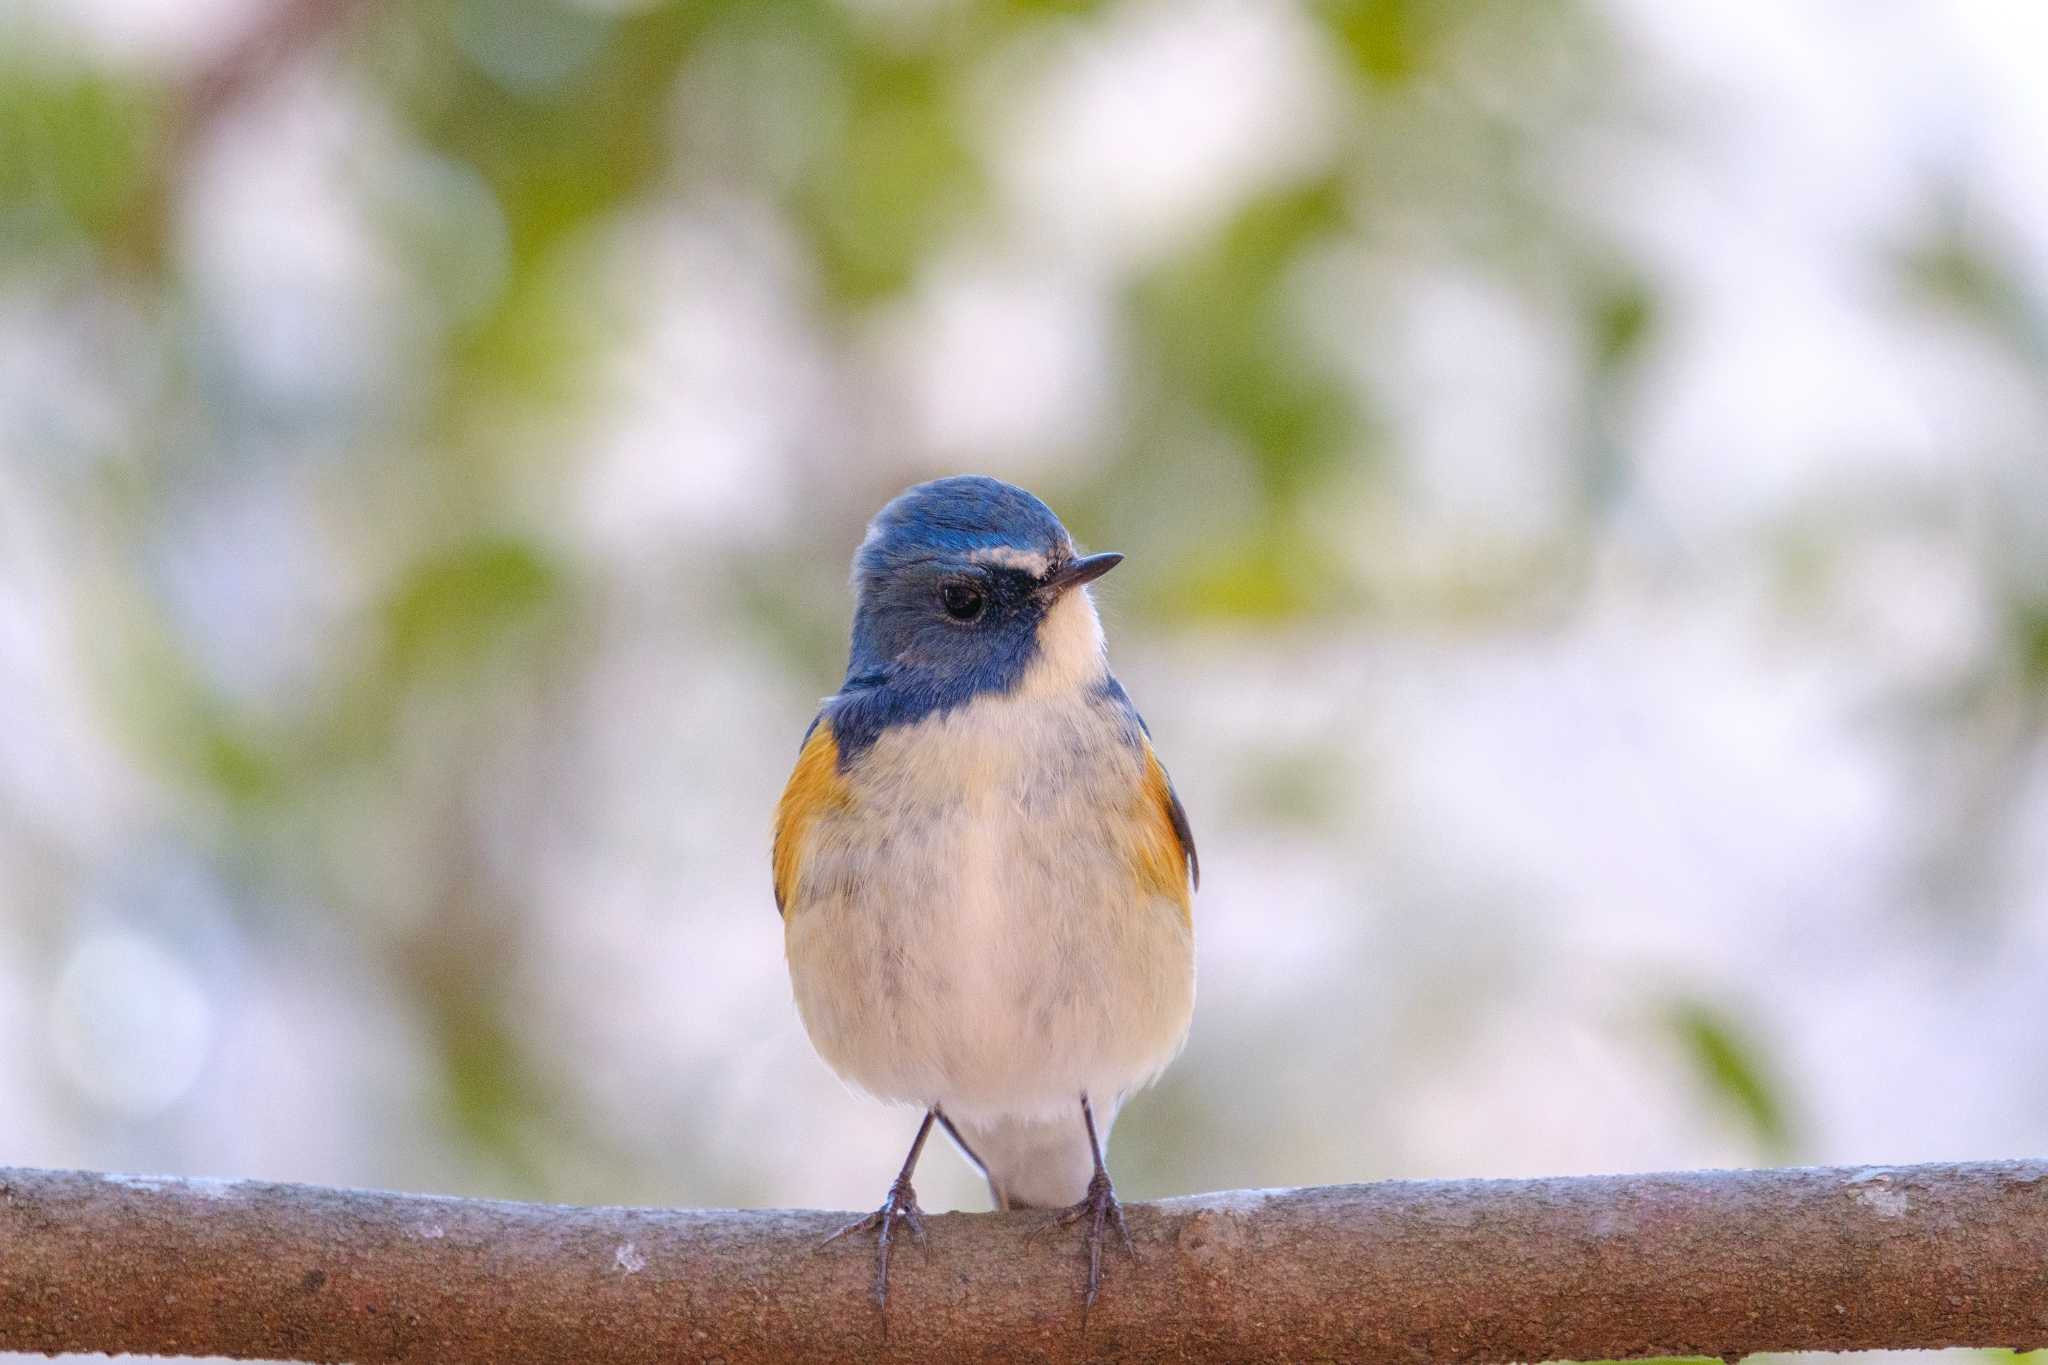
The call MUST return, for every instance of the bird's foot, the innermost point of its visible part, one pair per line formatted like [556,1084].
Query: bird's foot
[1098,1209]
[899,1207]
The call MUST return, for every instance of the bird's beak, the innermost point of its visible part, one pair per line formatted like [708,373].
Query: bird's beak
[1075,572]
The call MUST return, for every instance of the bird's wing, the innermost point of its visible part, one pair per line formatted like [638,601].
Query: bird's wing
[815,787]
[1169,855]
[1171,831]
[1182,831]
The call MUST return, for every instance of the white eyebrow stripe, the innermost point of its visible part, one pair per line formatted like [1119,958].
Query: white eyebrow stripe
[1030,561]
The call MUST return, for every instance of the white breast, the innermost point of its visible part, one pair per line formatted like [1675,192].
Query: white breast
[970,931]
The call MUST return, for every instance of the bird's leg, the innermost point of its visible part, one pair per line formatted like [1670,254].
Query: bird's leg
[899,1206]
[959,1141]
[1099,1207]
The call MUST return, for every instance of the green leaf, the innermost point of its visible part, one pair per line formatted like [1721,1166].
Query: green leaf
[1624,315]
[74,153]
[1220,324]
[1268,576]
[1385,40]
[2027,627]
[1732,1068]
[457,604]
[898,177]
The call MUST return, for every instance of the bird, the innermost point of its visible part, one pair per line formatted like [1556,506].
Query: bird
[984,873]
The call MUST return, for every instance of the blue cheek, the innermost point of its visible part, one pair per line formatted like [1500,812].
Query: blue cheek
[879,695]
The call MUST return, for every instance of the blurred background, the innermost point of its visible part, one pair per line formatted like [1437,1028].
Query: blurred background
[1584,468]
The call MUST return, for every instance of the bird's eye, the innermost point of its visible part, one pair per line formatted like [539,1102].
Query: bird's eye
[963,601]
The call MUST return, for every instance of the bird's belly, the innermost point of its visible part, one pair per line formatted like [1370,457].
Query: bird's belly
[989,946]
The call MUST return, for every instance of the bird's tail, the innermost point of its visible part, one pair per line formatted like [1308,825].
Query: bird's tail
[1037,1163]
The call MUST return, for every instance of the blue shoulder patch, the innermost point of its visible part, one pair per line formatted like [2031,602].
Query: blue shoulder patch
[1135,729]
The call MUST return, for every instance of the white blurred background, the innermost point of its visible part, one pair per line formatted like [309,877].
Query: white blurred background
[1584,469]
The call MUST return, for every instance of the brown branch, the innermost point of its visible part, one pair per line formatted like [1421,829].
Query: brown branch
[1711,1263]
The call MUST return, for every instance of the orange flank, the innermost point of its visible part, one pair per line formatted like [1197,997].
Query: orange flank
[814,788]
[1164,863]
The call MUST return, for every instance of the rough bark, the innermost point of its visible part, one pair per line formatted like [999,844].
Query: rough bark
[1706,1263]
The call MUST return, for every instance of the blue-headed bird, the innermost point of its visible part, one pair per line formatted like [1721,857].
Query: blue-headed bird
[983,871]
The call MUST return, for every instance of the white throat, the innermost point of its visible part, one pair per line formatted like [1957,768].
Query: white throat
[1070,648]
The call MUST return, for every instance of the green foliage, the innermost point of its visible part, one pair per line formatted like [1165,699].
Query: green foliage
[458,603]
[2006,1357]
[1623,321]
[557,152]
[1262,575]
[1729,1063]
[1222,325]
[2028,629]
[1387,41]
[75,150]
[893,177]
[1953,268]
[492,1095]
[167,710]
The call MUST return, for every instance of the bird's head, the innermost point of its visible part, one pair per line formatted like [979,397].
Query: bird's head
[970,585]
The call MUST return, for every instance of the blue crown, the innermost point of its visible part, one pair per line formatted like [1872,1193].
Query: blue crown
[951,518]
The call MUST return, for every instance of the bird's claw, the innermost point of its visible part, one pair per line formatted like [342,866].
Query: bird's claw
[1099,1208]
[899,1207]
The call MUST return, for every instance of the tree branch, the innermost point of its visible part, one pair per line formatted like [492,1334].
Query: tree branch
[1709,1263]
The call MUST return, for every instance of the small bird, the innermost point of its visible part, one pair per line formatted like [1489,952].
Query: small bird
[983,871]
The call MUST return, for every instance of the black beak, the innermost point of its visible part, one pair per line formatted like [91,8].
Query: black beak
[1075,572]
